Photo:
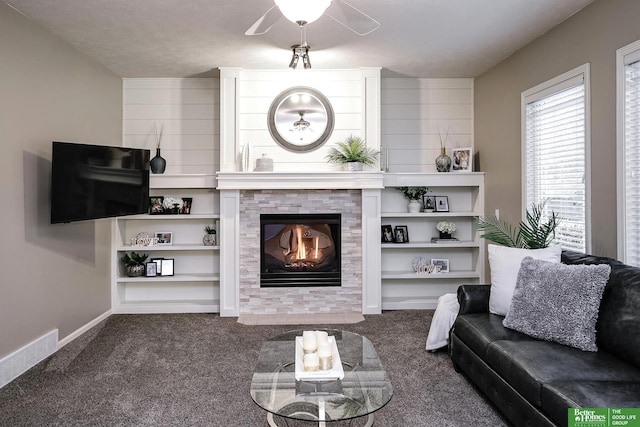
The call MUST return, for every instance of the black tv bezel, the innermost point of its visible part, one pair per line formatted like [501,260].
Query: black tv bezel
[66,219]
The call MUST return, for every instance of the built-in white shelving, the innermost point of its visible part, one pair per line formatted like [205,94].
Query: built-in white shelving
[402,288]
[194,285]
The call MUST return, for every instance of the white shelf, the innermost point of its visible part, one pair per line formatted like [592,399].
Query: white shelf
[433,276]
[148,217]
[423,215]
[429,245]
[175,278]
[154,248]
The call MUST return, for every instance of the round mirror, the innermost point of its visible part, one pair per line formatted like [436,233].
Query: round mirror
[300,119]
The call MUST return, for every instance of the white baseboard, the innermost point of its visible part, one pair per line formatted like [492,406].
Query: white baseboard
[75,334]
[25,358]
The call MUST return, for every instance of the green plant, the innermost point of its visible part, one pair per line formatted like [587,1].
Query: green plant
[209,229]
[134,259]
[413,193]
[532,233]
[352,149]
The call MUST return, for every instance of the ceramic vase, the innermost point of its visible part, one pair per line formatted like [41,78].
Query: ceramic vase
[414,206]
[135,270]
[209,240]
[443,162]
[158,163]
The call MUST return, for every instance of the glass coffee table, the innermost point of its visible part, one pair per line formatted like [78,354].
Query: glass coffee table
[364,389]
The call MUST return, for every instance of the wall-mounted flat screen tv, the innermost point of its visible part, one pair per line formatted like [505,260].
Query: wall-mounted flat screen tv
[97,181]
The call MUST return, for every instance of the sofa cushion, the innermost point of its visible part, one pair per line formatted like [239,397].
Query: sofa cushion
[527,365]
[558,396]
[619,312]
[504,264]
[478,330]
[558,302]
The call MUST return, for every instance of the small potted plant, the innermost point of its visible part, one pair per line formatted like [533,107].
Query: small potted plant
[446,229]
[352,154]
[209,239]
[134,264]
[414,194]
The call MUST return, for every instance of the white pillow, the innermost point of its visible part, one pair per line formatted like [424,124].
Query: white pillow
[504,263]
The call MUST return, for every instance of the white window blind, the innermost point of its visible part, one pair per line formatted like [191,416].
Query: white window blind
[632,163]
[555,155]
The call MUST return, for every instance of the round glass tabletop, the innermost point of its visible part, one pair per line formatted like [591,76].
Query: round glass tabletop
[364,389]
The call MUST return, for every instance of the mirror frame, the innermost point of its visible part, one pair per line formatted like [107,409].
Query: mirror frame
[273,111]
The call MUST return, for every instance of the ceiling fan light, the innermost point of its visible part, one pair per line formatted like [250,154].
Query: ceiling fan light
[294,61]
[306,61]
[302,10]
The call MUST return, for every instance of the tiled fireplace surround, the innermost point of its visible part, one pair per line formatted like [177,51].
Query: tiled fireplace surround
[244,196]
[300,300]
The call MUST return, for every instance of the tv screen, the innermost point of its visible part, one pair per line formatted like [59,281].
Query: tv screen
[97,181]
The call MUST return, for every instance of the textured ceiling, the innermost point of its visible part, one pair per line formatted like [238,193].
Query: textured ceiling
[183,38]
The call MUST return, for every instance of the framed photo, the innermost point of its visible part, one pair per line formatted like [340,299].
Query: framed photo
[186,205]
[442,203]
[387,234]
[428,203]
[441,265]
[164,237]
[462,160]
[158,263]
[155,205]
[167,267]
[401,234]
[151,269]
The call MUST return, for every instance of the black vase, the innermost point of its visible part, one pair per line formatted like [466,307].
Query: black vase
[158,164]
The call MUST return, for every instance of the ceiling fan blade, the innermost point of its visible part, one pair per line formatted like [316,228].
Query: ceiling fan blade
[352,18]
[265,22]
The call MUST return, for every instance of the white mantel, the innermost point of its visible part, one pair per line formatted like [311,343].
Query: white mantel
[299,180]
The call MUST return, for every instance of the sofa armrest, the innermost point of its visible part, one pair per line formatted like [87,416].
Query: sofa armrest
[473,298]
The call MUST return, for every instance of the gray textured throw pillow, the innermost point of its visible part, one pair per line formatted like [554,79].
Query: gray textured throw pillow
[558,302]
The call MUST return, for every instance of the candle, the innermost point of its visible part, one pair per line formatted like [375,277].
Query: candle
[309,342]
[324,350]
[311,362]
[322,337]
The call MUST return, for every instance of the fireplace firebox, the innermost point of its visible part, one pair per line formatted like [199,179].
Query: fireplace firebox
[300,250]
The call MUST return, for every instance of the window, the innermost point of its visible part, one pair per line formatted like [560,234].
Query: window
[628,151]
[555,137]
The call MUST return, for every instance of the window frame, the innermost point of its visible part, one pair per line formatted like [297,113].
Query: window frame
[630,52]
[542,90]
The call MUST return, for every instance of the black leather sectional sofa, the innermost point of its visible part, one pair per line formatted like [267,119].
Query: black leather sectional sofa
[534,382]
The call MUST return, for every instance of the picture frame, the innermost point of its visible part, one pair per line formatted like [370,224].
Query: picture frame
[401,234]
[462,160]
[442,203]
[186,206]
[441,265]
[155,205]
[158,262]
[387,234]
[164,238]
[151,269]
[167,267]
[428,203]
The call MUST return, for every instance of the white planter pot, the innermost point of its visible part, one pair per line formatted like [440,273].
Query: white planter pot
[352,166]
[414,206]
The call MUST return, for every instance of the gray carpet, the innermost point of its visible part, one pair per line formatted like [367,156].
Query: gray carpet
[195,370]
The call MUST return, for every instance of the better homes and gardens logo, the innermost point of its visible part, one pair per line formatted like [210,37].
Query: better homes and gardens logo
[604,417]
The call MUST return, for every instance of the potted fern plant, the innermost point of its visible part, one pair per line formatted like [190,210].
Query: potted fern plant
[532,233]
[352,154]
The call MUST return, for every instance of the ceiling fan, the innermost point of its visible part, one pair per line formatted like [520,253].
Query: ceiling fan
[303,12]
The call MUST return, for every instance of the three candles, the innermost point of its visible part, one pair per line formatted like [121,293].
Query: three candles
[317,351]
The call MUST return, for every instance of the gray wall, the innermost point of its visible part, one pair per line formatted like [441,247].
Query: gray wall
[51,276]
[592,35]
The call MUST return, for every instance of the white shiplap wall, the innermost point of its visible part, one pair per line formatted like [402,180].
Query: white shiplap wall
[258,88]
[411,112]
[413,109]
[190,111]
